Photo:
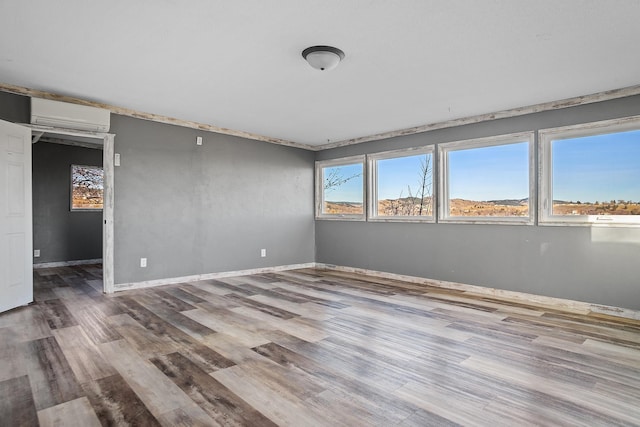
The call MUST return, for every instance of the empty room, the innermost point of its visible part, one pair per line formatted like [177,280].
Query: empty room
[320,213]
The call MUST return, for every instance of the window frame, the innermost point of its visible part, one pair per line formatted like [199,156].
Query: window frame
[320,165]
[443,177]
[71,170]
[372,160]
[545,172]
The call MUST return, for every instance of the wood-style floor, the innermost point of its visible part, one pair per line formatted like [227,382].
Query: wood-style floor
[307,348]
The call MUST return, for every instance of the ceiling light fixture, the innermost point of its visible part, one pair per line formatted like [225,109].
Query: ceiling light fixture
[323,57]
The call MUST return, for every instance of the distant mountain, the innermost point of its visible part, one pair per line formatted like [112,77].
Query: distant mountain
[345,203]
[510,202]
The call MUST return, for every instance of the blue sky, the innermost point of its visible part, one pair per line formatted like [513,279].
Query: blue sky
[490,173]
[586,169]
[598,168]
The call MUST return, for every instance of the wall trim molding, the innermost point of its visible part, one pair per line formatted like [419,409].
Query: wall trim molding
[503,114]
[561,304]
[34,93]
[197,277]
[67,263]
[521,297]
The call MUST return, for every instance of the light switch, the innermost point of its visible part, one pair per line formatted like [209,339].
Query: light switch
[116,159]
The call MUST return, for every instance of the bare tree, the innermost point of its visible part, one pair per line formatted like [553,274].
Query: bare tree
[417,203]
[335,179]
[425,185]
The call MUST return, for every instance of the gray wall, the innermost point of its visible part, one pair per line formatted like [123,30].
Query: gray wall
[598,265]
[202,209]
[59,233]
[194,209]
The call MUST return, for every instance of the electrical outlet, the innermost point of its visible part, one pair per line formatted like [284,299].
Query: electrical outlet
[263,253]
[143,262]
[36,253]
[199,140]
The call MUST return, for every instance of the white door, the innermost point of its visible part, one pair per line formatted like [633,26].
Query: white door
[16,262]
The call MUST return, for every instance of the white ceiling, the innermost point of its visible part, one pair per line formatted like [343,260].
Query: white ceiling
[238,64]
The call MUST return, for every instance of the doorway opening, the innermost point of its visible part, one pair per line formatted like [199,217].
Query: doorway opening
[72,219]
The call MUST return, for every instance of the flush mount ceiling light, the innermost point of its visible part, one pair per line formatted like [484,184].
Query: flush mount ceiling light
[323,57]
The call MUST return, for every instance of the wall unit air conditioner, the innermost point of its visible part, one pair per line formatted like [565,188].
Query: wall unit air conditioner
[45,112]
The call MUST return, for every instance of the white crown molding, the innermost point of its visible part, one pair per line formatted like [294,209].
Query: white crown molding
[19,90]
[514,112]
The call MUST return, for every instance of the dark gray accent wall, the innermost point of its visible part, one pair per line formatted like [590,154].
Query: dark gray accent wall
[597,265]
[193,209]
[14,108]
[59,233]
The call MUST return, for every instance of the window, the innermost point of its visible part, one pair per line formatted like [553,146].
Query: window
[401,185]
[340,188]
[590,174]
[86,188]
[487,180]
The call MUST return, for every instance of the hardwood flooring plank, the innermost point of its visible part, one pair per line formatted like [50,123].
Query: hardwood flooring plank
[83,356]
[43,294]
[143,341]
[311,298]
[621,354]
[52,379]
[182,322]
[559,363]
[202,288]
[301,328]
[307,290]
[184,418]
[183,292]
[25,324]
[208,359]
[614,411]
[265,308]
[96,324]
[11,355]
[229,347]
[303,308]
[276,404]
[159,393]
[227,288]
[387,410]
[17,407]
[222,405]
[242,328]
[77,413]
[419,419]
[116,404]
[161,297]
[632,341]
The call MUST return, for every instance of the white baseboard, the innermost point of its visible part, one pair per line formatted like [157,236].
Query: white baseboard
[521,297]
[536,300]
[198,277]
[67,263]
